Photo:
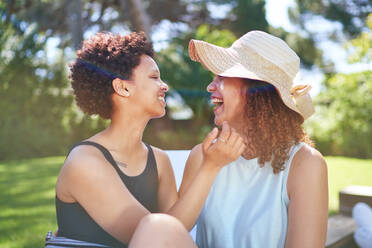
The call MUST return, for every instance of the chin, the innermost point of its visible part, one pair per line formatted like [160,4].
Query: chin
[162,115]
[159,115]
[218,121]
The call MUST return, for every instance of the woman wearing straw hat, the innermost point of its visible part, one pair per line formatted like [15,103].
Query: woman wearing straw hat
[276,193]
[111,182]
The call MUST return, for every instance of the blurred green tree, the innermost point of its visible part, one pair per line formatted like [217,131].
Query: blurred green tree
[343,123]
[351,14]
[360,47]
[32,93]
[67,19]
[38,117]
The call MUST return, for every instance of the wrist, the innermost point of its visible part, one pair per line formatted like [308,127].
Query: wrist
[210,167]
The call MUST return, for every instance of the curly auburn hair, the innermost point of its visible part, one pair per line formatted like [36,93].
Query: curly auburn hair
[102,58]
[272,126]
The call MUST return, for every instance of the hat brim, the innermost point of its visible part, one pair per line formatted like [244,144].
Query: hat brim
[225,62]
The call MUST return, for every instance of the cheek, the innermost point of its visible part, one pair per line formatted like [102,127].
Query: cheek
[236,104]
[236,97]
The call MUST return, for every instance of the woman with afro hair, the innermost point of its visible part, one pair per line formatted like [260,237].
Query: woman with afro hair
[113,189]
[276,193]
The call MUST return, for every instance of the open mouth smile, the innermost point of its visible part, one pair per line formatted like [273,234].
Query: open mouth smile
[218,102]
[161,98]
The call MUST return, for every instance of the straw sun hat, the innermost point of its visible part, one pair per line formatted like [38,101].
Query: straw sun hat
[260,56]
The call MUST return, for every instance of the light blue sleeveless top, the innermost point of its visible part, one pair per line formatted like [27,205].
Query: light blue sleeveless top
[246,207]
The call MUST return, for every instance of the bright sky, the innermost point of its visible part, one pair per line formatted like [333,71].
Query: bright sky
[276,13]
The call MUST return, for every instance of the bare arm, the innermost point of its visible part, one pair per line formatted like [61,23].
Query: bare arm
[167,193]
[200,173]
[193,164]
[91,181]
[185,210]
[307,187]
[188,207]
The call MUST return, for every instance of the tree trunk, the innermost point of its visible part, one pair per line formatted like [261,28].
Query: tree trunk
[74,22]
[139,17]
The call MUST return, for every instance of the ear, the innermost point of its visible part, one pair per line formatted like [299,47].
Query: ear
[120,87]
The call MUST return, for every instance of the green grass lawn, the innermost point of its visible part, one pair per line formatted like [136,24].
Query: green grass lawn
[27,209]
[343,172]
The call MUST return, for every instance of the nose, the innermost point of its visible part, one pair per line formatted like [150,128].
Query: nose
[212,86]
[164,87]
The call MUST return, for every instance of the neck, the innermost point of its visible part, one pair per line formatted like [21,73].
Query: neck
[250,151]
[124,133]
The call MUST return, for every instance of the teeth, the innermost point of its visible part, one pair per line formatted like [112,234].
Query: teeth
[216,100]
[161,98]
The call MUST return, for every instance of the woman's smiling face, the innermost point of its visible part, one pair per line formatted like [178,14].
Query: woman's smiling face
[150,89]
[229,99]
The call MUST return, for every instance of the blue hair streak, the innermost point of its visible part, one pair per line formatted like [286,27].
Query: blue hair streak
[93,68]
[256,86]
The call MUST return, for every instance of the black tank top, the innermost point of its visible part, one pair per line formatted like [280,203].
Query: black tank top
[75,223]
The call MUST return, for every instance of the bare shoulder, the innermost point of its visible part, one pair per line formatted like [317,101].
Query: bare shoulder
[84,158]
[308,158]
[83,161]
[160,155]
[308,168]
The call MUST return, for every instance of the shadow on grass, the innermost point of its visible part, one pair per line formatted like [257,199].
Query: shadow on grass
[19,172]
[27,196]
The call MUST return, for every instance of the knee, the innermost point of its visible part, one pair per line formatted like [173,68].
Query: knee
[161,230]
[160,222]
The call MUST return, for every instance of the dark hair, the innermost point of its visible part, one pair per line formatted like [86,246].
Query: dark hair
[272,127]
[102,58]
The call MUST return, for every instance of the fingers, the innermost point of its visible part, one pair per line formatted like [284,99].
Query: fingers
[208,141]
[236,143]
[229,146]
[225,133]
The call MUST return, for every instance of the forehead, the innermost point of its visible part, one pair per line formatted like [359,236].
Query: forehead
[233,81]
[147,64]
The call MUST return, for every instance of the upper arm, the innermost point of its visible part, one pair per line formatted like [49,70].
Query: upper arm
[167,191]
[95,185]
[308,192]
[192,166]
